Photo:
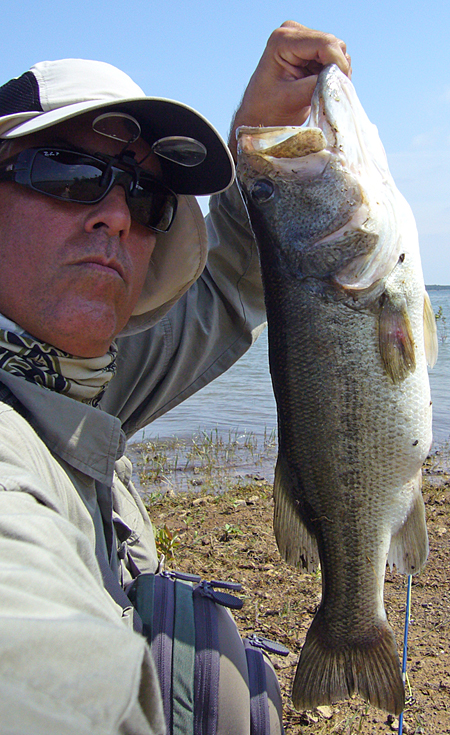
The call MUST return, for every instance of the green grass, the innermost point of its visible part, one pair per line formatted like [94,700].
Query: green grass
[207,461]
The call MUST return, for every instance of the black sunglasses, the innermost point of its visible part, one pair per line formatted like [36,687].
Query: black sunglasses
[74,176]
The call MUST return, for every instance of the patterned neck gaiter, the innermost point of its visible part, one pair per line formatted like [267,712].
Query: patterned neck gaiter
[83,378]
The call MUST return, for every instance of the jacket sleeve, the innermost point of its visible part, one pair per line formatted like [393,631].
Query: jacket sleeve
[69,662]
[211,326]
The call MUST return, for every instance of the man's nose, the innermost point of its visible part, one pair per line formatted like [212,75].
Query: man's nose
[112,213]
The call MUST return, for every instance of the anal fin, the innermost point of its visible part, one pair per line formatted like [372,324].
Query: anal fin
[295,542]
[409,545]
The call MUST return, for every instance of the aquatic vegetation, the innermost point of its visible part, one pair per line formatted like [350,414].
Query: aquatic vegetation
[209,460]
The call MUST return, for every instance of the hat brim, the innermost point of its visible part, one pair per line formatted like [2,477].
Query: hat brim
[158,117]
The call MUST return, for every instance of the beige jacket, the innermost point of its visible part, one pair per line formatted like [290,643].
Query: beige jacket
[70,662]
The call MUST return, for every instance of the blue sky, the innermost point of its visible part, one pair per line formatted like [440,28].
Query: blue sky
[203,52]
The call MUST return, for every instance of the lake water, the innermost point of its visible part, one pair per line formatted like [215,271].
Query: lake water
[241,401]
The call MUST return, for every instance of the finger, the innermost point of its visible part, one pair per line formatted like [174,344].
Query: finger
[334,52]
[301,104]
[322,49]
[296,47]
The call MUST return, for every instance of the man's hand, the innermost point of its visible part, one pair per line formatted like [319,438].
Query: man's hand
[280,90]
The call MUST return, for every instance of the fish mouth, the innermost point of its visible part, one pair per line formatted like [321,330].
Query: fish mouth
[293,152]
[282,146]
[332,106]
[319,132]
[337,141]
[337,128]
[290,142]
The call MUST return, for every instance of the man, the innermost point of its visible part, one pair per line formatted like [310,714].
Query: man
[108,319]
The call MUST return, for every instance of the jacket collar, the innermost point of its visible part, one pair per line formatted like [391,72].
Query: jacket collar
[87,438]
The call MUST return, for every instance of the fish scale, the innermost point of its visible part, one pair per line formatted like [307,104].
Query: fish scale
[349,328]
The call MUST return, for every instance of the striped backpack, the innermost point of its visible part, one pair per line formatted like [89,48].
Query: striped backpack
[212,682]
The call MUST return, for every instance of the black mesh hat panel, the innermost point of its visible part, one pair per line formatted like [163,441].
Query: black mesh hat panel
[20,95]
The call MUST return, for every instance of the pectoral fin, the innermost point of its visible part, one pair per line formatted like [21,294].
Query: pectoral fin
[409,546]
[430,332]
[295,543]
[396,339]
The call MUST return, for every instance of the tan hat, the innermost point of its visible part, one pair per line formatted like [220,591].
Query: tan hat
[54,91]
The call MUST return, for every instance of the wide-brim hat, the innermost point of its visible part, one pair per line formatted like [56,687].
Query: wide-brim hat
[54,91]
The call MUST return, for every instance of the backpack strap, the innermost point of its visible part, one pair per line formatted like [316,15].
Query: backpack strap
[112,586]
[261,689]
[257,682]
[167,608]
[207,664]
[183,660]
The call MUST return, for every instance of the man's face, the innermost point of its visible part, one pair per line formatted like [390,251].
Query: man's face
[70,274]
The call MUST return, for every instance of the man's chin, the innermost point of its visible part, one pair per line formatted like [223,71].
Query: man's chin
[86,333]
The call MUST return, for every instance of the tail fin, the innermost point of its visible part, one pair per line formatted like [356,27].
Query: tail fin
[328,673]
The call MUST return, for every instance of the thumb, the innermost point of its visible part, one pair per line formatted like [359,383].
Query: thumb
[295,101]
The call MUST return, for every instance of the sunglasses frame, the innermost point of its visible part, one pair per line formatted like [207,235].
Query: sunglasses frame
[19,168]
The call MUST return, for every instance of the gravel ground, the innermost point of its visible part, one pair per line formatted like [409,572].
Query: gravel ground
[229,536]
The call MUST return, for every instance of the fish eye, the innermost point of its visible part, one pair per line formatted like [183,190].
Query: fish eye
[262,190]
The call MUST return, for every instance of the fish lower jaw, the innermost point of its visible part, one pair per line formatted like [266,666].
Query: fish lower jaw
[281,143]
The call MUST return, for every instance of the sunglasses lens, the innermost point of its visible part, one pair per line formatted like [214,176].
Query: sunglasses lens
[67,175]
[76,177]
[152,204]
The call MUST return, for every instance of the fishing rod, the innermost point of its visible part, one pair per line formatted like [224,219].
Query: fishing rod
[405,645]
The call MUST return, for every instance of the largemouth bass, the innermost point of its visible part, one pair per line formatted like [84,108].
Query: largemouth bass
[350,331]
